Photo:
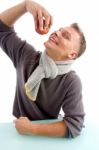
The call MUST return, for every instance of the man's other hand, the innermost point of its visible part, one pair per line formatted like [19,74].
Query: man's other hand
[23,125]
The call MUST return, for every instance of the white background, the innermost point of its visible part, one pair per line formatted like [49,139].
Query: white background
[85,12]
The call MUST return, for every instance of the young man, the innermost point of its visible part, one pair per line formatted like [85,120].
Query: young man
[45,82]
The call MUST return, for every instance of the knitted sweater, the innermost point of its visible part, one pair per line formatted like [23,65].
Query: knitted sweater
[64,91]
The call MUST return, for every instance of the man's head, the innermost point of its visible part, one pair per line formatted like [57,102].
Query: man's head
[66,43]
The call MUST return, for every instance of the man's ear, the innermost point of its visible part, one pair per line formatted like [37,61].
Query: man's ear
[73,55]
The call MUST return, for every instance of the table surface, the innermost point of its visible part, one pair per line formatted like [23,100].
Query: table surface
[11,140]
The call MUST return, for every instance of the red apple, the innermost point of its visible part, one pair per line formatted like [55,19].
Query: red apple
[44,31]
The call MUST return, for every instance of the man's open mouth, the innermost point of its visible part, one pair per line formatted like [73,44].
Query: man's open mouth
[53,39]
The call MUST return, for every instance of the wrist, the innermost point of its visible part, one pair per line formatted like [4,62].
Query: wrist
[33,129]
[27,3]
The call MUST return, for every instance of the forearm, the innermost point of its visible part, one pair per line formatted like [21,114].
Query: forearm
[57,129]
[42,18]
[11,15]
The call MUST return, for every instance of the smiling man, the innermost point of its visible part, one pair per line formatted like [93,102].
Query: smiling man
[64,44]
[45,81]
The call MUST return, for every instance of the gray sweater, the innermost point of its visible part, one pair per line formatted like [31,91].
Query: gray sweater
[65,91]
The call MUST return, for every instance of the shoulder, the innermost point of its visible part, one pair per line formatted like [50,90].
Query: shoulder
[73,80]
[72,75]
[30,53]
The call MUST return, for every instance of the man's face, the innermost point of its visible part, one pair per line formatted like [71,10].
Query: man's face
[63,44]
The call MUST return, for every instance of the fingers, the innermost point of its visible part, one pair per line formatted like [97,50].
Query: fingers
[21,118]
[48,20]
[36,21]
[40,20]
[43,21]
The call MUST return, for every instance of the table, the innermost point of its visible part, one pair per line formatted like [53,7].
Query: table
[11,140]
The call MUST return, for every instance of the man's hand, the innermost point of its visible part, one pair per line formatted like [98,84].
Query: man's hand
[42,18]
[23,125]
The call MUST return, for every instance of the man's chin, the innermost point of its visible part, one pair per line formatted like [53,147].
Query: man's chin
[47,46]
[45,43]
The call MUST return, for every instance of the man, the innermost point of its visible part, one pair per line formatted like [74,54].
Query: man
[45,82]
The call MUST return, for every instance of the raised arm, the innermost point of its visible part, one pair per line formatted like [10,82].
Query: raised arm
[42,18]
[10,43]
[12,14]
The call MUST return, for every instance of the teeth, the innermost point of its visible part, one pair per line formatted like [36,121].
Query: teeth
[52,40]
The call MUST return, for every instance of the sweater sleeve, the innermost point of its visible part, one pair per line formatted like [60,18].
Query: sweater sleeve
[12,45]
[73,108]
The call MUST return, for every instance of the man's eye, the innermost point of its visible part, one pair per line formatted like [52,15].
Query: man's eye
[66,36]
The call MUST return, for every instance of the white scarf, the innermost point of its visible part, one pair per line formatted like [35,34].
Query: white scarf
[47,69]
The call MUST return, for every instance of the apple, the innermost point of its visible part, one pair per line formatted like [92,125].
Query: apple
[44,31]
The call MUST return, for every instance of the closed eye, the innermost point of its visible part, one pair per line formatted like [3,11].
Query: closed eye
[66,35]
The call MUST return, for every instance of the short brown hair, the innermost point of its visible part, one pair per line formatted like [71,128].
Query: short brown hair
[82,39]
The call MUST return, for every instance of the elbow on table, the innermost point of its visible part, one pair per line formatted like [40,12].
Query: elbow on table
[75,132]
